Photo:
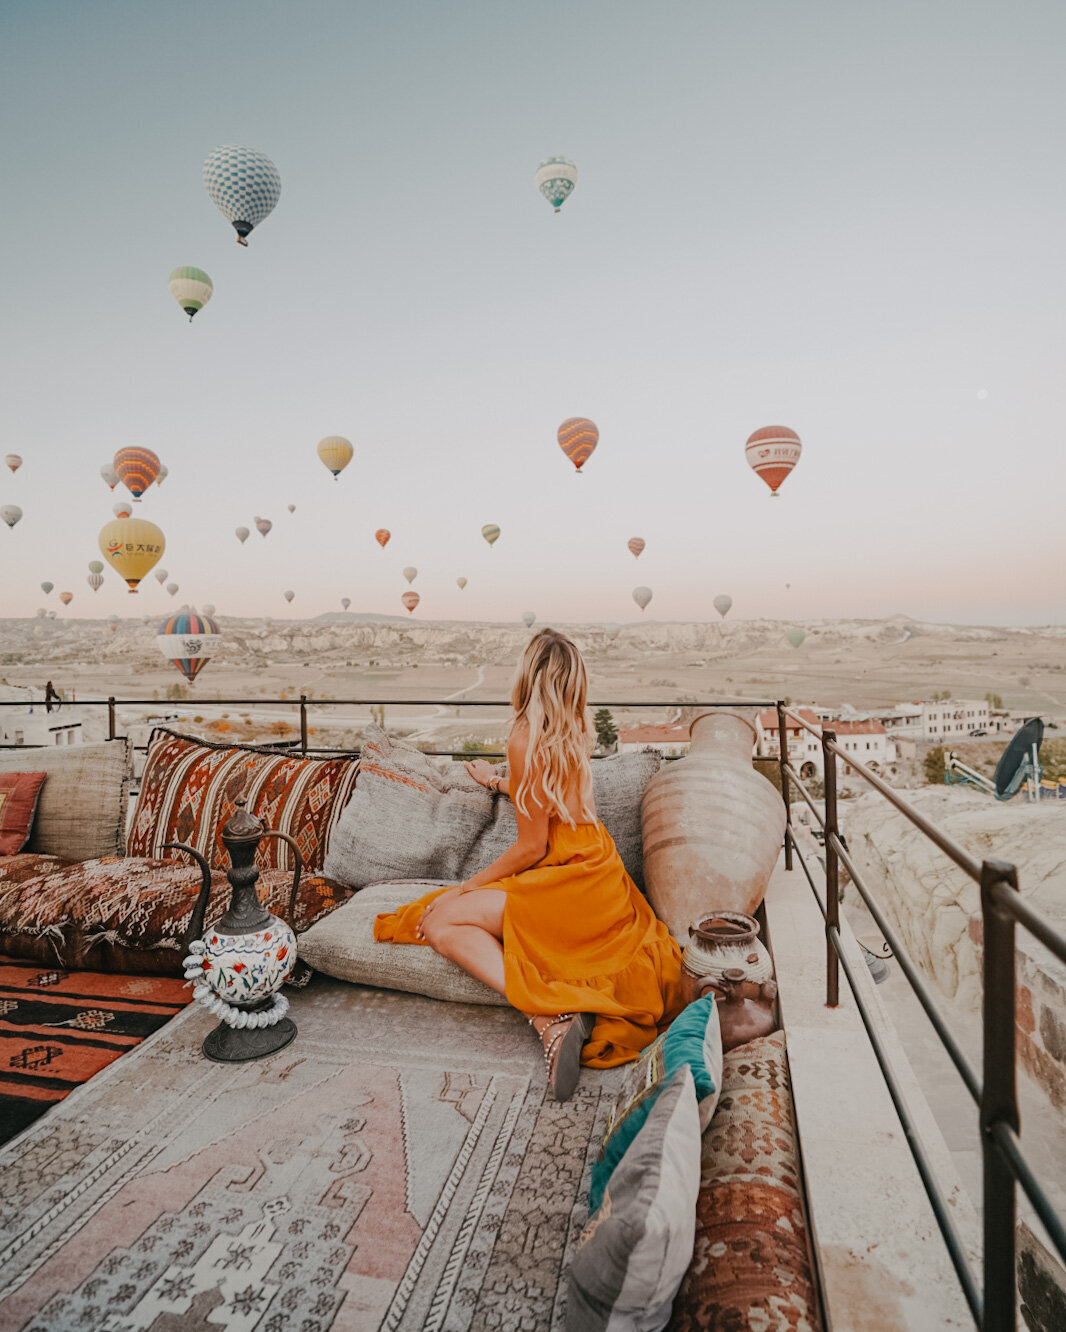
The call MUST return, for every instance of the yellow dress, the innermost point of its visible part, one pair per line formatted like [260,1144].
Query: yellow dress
[578,937]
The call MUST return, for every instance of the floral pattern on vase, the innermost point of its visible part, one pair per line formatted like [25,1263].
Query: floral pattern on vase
[247,968]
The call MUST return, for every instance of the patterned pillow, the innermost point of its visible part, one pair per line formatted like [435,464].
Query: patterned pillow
[634,1251]
[127,915]
[751,1265]
[344,946]
[19,793]
[693,1039]
[412,819]
[189,787]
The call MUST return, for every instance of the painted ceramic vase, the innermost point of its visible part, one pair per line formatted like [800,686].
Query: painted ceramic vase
[723,941]
[712,826]
[245,968]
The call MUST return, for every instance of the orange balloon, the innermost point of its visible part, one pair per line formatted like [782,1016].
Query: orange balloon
[381,536]
[410,600]
[772,452]
[577,437]
[636,545]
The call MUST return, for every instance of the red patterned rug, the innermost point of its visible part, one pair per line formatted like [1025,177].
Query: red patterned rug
[58,1028]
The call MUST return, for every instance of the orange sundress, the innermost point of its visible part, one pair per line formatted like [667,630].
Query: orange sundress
[578,937]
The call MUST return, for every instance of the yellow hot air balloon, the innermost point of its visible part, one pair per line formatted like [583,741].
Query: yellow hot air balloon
[491,533]
[336,453]
[132,546]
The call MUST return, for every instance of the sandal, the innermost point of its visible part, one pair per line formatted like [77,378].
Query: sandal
[562,1053]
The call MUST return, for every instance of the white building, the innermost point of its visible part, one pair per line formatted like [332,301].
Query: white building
[670,740]
[804,749]
[954,718]
[868,741]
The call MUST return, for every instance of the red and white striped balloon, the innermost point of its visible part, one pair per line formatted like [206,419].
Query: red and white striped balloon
[772,452]
[635,545]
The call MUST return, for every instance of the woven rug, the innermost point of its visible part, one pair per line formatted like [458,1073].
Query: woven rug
[396,1167]
[59,1028]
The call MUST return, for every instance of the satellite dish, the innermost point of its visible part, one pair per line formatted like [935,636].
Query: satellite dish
[1018,760]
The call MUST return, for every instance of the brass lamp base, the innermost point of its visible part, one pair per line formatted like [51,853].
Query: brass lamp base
[237,1045]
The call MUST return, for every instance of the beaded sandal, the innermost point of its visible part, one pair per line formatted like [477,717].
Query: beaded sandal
[562,1053]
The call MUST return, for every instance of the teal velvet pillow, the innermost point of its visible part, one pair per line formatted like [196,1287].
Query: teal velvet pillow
[694,1038]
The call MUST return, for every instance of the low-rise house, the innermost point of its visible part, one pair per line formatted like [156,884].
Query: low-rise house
[671,741]
[804,749]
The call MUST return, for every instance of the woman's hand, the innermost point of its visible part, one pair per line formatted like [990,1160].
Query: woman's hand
[482,772]
[456,891]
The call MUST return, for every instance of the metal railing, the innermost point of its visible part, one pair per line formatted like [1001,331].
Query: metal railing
[993,1304]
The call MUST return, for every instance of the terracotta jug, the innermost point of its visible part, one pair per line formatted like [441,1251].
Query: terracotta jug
[745,1010]
[723,940]
[712,825]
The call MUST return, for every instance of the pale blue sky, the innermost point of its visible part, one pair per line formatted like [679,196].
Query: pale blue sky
[843,217]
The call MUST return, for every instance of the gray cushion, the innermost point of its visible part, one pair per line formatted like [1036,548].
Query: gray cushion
[342,944]
[409,818]
[634,1252]
[82,810]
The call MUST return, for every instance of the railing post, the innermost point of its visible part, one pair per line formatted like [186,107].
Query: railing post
[832,894]
[786,793]
[999,1097]
[111,718]
[303,723]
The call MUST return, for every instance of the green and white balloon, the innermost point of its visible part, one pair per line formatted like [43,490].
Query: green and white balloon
[191,288]
[556,179]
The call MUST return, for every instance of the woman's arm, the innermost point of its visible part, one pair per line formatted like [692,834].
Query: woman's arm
[532,840]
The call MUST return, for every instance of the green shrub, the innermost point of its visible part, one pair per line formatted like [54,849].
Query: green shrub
[933,765]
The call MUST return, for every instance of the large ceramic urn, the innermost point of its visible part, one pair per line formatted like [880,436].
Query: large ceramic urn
[712,825]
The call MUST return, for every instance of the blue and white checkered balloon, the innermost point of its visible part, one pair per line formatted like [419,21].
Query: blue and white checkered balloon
[243,184]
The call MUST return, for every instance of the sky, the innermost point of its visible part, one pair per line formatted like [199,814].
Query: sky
[846,218]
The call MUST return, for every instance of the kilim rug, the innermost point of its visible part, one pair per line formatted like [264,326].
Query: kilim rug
[59,1028]
[397,1167]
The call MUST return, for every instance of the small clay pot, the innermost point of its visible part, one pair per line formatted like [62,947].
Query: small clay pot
[718,942]
[745,1009]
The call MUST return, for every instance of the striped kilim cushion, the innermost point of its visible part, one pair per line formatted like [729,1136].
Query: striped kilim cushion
[189,788]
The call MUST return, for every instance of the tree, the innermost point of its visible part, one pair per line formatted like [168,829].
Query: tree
[606,731]
[994,701]
[933,763]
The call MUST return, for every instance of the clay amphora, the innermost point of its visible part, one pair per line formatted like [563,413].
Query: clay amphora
[719,942]
[745,1010]
[712,826]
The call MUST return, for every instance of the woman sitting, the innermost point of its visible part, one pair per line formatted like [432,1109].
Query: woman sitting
[555,923]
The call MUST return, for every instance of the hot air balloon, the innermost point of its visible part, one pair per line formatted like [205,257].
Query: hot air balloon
[578,437]
[336,453]
[288,596]
[241,534]
[188,639]
[795,636]
[642,595]
[491,533]
[66,598]
[132,546]
[635,545]
[612,631]
[96,566]
[772,452]
[13,461]
[112,621]
[244,186]
[460,583]
[10,513]
[95,581]
[122,509]
[529,618]
[137,469]
[161,576]
[110,475]
[722,605]
[292,508]
[208,608]
[191,288]
[172,588]
[345,602]
[47,587]
[164,472]
[410,573]
[263,526]
[556,179]
[410,600]
[381,536]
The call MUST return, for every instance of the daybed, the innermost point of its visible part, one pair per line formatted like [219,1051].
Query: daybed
[272,1193]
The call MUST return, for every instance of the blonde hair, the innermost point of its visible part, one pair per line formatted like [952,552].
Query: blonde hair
[549,695]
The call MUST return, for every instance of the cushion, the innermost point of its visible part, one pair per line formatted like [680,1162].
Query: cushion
[129,915]
[634,1252]
[82,810]
[343,945]
[751,1264]
[19,793]
[694,1038]
[189,787]
[410,818]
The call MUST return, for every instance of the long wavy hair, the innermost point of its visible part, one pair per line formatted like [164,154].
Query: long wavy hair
[550,694]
